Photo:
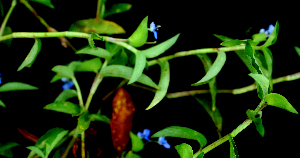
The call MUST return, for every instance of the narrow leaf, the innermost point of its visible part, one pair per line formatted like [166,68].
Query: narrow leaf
[30,58]
[269,61]
[214,70]
[233,149]
[66,94]
[45,2]
[181,132]
[63,71]
[36,150]
[137,143]
[163,84]
[64,106]
[2,104]
[140,35]
[52,141]
[140,63]
[297,50]
[184,150]
[16,86]
[231,43]
[92,65]
[257,121]
[280,101]
[126,72]
[98,117]
[249,51]
[118,8]
[157,50]
[262,81]
[223,38]
[7,146]
[99,52]
[273,37]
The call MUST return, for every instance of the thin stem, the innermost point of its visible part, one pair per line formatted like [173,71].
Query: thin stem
[65,154]
[98,12]
[78,91]
[82,145]
[13,4]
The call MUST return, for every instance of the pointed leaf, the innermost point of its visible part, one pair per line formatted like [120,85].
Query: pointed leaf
[64,106]
[30,58]
[66,94]
[98,117]
[45,2]
[92,65]
[120,58]
[231,43]
[184,150]
[99,52]
[7,146]
[157,50]
[249,51]
[126,72]
[130,154]
[163,84]
[269,61]
[259,37]
[214,70]
[223,38]
[200,155]
[140,63]
[83,122]
[273,37]
[247,61]
[263,83]
[257,121]
[16,86]
[181,132]
[118,8]
[137,143]
[233,149]
[36,150]
[2,104]
[140,35]
[297,50]
[53,139]
[280,101]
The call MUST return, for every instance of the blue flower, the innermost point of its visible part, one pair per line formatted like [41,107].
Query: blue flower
[269,31]
[162,141]
[68,84]
[145,134]
[0,79]
[153,29]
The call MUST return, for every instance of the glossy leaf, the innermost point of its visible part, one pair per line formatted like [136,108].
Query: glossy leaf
[98,117]
[66,94]
[140,35]
[215,115]
[231,43]
[233,149]
[184,150]
[212,84]
[2,104]
[99,52]
[118,8]
[273,37]
[16,86]
[83,122]
[263,83]
[257,121]
[157,50]
[45,2]
[126,72]
[181,132]
[279,101]
[163,84]
[297,50]
[36,150]
[214,70]
[137,143]
[92,65]
[140,63]
[64,106]
[30,58]
[97,26]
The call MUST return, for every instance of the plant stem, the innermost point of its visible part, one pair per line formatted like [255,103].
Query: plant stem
[82,145]
[98,12]
[13,4]
[78,92]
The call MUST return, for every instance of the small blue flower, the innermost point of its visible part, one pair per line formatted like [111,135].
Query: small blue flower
[162,141]
[153,28]
[269,31]
[0,79]
[145,134]
[68,84]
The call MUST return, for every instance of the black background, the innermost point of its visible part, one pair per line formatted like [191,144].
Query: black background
[197,22]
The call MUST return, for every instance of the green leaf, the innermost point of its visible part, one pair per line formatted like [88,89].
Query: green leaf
[126,72]
[64,106]
[214,70]
[54,138]
[16,86]
[200,155]
[259,37]
[66,94]
[7,146]
[140,35]
[163,84]
[130,154]
[98,117]
[233,149]
[7,30]
[30,58]
[118,8]
[231,43]
[97,26]
[2,104]
[184,150]
[269,62]
[297,50]
[83,122]
[99,52]
[181,132]
[257,121]
[45,2]
[120,58]
[215,115]
[249,51]
[140,63]
[36,150]
[273,37]
[223,38]
[63,71]
[157,50]
[247,61]
[92,65]
[137,142]
[279,101]
[263,83]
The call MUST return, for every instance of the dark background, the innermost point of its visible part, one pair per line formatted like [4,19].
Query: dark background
[197,22]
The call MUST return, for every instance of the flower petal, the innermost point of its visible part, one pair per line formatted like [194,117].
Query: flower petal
[68,85]
[152,27]
[155,34]
[271,29]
